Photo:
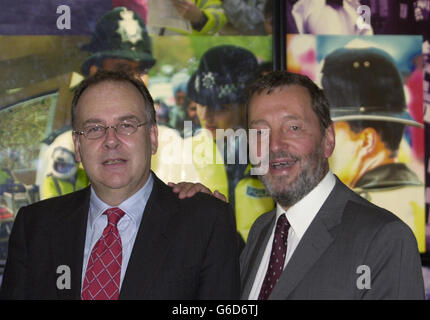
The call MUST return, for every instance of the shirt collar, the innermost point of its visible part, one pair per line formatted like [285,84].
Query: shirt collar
[133,206]
[301,214]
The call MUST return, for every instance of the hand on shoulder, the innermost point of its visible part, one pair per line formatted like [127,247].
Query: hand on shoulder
[189,189]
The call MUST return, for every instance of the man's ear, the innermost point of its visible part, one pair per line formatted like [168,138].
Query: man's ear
[329,141]
[369,139]
[153,136]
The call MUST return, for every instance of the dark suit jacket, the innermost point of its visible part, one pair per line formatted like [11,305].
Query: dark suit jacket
[346,233]
[184,249]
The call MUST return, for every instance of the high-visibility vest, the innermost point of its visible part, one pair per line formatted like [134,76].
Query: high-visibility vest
[250,197]
[53,186]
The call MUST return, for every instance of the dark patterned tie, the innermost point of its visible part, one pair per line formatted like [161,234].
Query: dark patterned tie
[102,277]
[277,258]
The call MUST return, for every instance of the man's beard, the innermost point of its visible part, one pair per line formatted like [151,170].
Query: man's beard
[314,170]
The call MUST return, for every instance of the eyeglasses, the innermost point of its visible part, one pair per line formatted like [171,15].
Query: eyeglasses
[96,131]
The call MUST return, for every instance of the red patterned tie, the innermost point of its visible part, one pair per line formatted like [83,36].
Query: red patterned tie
[277,258]
[103,273]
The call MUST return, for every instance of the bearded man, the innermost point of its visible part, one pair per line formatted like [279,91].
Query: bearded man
[322,241]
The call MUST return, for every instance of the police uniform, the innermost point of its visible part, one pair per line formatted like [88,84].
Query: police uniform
[364,84]
[63,174]
[119,33]
[221,78]
[384,184]
[213,20]
[245,193]
[53,186]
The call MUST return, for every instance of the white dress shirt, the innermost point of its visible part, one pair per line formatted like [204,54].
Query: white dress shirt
[300,216]
[128,225]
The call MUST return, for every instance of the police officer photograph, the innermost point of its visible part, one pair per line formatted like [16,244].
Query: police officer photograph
[120,41]
[218,88]
[368,105]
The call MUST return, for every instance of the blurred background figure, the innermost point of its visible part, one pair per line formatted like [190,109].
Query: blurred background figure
[192,116]
[400,17]
[244,16]
[120,42]
[328,17]
[218,88]
[268,20]
[161,112]
[206,16]
[15,194]
[178,112]
[64,175]
[196,17]
[368,105]
[6,223]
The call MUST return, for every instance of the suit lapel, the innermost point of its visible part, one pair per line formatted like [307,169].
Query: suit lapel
[309,250]
[68,241]
[257,251]
[315,241]
[151,244]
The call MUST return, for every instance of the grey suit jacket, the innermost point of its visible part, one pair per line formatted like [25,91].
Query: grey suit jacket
[347,232]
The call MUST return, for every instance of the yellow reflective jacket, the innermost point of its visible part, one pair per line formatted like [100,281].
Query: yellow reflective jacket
[397,188]
[216,18]
[53,187]
[247,194]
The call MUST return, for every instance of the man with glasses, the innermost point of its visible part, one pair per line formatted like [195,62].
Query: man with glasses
[120,42]
[127,236]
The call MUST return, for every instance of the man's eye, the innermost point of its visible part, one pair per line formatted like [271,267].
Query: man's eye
[94,129]
[295,128]
[126,125]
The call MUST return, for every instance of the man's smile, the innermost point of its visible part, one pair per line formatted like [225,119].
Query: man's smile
[282,165]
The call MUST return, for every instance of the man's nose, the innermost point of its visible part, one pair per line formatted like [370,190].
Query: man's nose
[277,141]
[111,140]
